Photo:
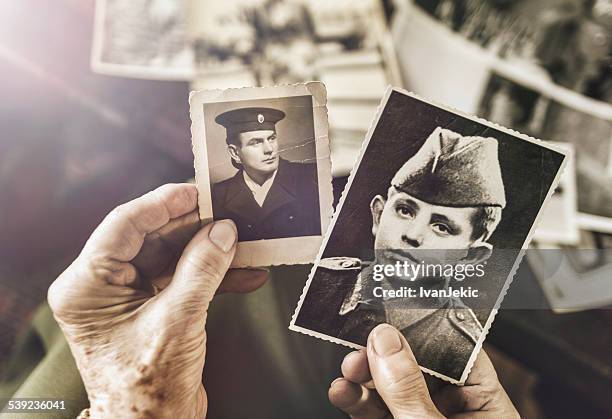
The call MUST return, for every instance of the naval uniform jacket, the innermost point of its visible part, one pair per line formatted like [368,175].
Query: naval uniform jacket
[442,339]
[291,208]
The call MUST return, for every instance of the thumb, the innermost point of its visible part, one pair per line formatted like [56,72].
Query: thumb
[397,376]
[202,266]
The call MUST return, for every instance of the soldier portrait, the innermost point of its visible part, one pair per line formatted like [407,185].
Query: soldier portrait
[262,161]
[269,197]
[438,189]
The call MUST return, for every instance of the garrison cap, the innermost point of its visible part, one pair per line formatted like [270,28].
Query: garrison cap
[249,119]
[454,171]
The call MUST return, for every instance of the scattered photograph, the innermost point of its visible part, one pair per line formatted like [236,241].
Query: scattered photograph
[548,111]
[428,233]
[262,159]
[559,223]
[570,40]
[288,41]
[143,39]
[552,81]
[575,278]
[343,43]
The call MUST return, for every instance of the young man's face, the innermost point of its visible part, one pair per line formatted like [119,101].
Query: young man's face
[404,226]
[257,152]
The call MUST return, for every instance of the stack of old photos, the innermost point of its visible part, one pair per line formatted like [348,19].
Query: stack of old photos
[541,68]
[239,43]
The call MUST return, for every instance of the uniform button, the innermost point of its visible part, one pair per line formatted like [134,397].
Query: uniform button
[291,217]
[249,226]
[460,315]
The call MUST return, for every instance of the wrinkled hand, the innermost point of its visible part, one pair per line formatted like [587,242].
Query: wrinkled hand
[133,304]
[384,381]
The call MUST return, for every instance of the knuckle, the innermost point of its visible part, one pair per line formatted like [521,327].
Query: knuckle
[117,214]
[184,195]
[480,396]
[168,192]
[59,293]
[165,188]
[55,297]
[65,293]
[208,264]
[118,210]
[157,195]
[400,384]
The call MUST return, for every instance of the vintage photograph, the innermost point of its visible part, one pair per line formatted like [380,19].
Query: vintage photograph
[574,278]
[568,39]
[342,43]
[541,68]
[444,189]
[554,114]
[559,222]
[283,41]
[142,38]
[262,160]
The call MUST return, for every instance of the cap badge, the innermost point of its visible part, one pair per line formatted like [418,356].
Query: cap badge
[260,118]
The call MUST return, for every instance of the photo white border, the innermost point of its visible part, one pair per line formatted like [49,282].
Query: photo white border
[291,250]
[569,233]
[595,222]
[512,273]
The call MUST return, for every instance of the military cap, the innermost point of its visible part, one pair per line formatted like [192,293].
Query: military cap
[249,119]
[341,263]
[454,171]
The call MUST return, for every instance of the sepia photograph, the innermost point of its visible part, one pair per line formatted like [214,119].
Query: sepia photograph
[441,189]
[541,68]
[555,114]
[262,160]
[142,38]
[574,278]
[559,222]
[283,41]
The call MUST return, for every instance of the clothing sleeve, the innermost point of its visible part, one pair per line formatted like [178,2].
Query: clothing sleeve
[53,373]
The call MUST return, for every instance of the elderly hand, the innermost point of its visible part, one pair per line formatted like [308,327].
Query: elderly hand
[389,366]
[133,304]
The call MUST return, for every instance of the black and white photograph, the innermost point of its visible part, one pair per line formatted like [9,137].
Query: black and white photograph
[541,68]
[344,44]
[574,278]
[556,114]
[282,41]
[143,39]
[262,160]
[431,186]
[559,222]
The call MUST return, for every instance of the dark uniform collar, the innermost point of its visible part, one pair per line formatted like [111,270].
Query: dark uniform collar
[282,191]
[241,201]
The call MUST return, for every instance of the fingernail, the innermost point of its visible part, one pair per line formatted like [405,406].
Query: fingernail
[223,235]
[386,341]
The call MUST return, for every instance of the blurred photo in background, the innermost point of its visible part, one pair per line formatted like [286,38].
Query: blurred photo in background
[239,43]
